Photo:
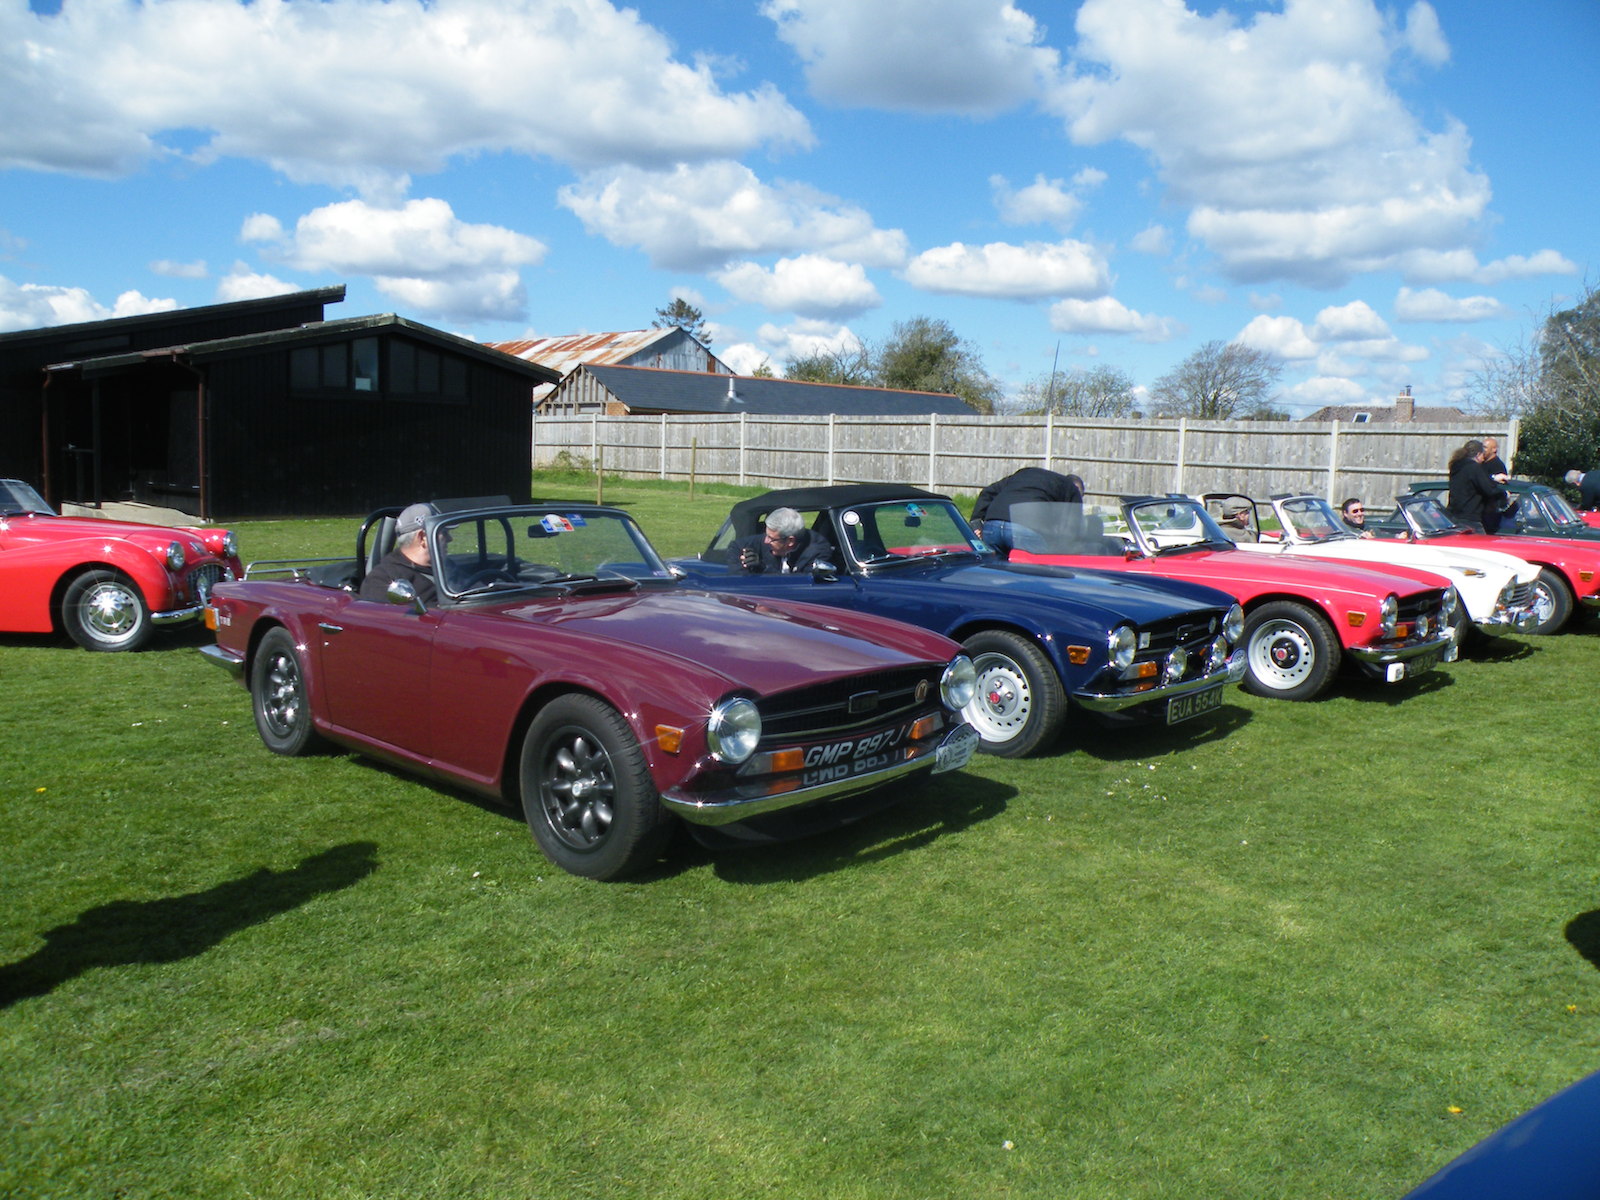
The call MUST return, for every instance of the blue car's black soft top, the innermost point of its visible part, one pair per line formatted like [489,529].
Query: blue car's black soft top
[747,515]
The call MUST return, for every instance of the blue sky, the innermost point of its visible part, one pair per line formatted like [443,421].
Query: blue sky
[1378,195]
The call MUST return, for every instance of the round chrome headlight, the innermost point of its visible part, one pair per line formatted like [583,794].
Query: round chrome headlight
[959,683]
[1218,658]
[1233,625]
[230,544]
[1389,613]
[733,730]
[1452,602]
[174,556]
[1121,644]
[1424,626]
[1177,664]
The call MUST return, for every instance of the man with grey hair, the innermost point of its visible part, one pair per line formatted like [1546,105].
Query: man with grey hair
[411,560]
[784,547]
[1588,485]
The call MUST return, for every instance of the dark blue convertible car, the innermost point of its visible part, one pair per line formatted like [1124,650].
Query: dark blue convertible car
[1044,639]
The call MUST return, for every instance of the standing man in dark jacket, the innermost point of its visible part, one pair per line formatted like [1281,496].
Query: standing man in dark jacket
[991,515]
[1471,490]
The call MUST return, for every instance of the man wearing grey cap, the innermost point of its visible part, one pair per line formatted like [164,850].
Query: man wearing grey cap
[410,561]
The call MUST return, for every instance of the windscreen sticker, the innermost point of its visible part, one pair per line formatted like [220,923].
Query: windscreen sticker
[555,524]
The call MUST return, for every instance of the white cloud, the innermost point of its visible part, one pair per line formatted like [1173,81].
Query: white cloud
[811,285]
[1298,160]
[359,94]
[1351,322]
[1033,271]
[806,337]
[1423,36]
[180,270]
[1153,239]
[1107,315]
[744,358]
[701,217]
[1321,391]
[243,283]
[1430,304]
[261,227]
[977,57]
[1516,266]
[36,306]
[419,253]
[1284,337]
[1042,202]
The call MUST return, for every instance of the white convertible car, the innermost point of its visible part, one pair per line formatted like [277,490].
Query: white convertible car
[1496,589]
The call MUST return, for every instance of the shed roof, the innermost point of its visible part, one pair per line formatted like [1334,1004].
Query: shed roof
[569,350]
[1386,414]
[651,389]
[311,332]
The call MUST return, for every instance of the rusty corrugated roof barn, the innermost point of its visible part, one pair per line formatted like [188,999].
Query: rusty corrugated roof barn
[671,349]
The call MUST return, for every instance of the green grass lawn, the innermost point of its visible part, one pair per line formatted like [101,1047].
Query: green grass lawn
[1299,951]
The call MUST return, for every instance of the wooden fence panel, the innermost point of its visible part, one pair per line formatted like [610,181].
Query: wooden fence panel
[963,454]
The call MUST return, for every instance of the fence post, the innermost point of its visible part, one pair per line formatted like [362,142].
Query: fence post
[742,428]
[1513,434]
[1333,460]
[933,452]
[1183,453]
[663,445]
[594,438]
[830,449]
[1049,438]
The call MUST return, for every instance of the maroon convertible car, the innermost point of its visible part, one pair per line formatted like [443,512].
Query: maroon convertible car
[565,667]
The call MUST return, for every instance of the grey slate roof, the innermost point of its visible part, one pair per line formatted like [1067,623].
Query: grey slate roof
[646,389]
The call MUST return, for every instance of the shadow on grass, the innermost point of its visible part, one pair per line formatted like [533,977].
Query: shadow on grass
[1114,743]
[932,810]
[176,927]
[1583,932]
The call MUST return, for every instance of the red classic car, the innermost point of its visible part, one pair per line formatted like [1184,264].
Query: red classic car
[565,667]
[1569,568]
[107,584]
[1302,616]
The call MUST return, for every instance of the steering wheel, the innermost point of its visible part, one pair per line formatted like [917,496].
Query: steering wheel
[491,573]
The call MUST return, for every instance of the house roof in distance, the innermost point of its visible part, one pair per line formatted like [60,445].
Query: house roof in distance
[648,389]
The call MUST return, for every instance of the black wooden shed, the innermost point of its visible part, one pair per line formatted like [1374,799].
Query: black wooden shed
[262,408]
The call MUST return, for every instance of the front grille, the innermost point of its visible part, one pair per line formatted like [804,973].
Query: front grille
[1195,632]
[1520,595]
[861,702]
[1423,604]
[203,578]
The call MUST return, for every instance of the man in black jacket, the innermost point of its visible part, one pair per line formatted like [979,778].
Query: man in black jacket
[786,546]
[991,515]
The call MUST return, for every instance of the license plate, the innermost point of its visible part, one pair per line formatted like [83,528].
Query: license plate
[1181,708]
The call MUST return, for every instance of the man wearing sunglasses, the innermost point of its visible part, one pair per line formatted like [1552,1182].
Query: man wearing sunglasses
[1355,515]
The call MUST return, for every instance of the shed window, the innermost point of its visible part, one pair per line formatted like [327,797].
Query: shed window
[335,367]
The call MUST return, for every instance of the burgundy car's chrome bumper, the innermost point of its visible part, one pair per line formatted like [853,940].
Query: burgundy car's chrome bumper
[779,792]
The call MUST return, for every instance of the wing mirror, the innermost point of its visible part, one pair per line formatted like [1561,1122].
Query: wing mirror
[401,592]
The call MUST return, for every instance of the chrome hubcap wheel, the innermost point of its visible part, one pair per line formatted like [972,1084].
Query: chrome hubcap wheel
[110,611]
[1281,655]
[1000,708]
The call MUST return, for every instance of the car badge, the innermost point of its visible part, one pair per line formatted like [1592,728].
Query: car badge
[863,702]
[922,690]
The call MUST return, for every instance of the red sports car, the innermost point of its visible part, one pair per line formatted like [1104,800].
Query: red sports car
[1569,568]
[1302,616]
[564,666]
[107,584]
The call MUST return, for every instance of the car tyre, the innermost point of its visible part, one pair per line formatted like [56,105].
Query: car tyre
[587,794]
[278,696]
[1019,706]
[1552,600]
[103,610]
[1291,651]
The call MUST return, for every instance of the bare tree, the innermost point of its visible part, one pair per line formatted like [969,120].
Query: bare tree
[850,364]
[1098,391]
[1219,381]
[1506,384]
